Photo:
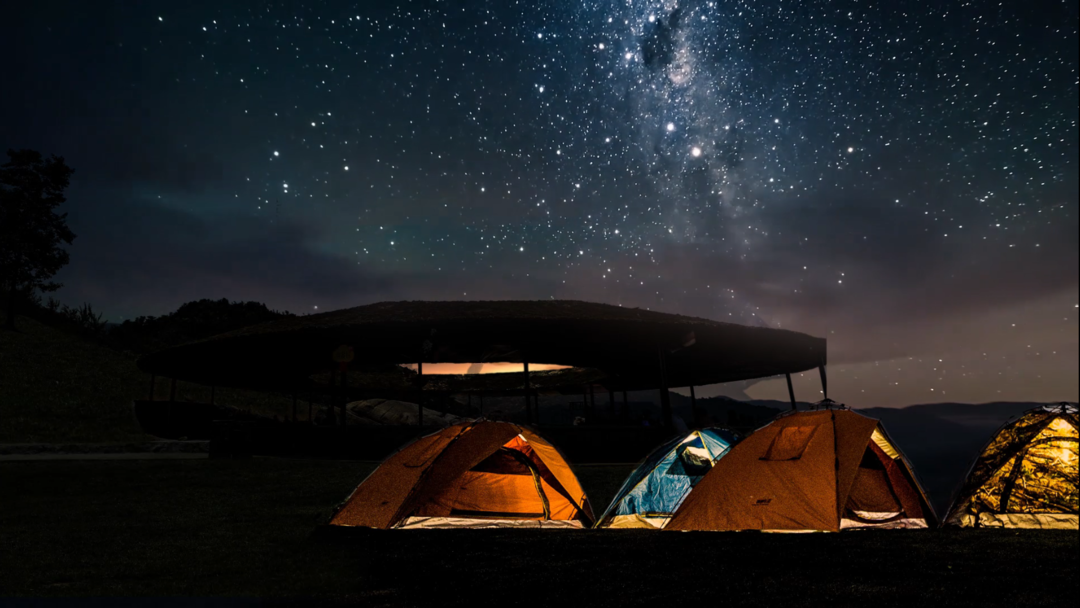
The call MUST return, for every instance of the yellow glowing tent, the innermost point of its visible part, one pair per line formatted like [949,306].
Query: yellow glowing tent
[1026,477]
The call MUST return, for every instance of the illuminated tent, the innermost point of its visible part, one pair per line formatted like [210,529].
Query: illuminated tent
[824,470]
[658,486]
[1026,477]
[475,474]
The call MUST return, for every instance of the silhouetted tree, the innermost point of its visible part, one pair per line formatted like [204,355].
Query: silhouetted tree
[192,321]
[31,232]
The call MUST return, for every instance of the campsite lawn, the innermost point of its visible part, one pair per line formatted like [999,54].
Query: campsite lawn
[244,528]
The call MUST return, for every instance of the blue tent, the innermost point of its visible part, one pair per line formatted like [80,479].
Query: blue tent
[658,486]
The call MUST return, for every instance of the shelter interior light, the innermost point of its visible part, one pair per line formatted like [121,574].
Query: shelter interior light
[498,367]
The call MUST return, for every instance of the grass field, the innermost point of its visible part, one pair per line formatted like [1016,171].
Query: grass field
[58,388]
[244,528]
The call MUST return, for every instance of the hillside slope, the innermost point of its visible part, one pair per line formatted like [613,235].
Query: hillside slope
[58,388]
[55,387]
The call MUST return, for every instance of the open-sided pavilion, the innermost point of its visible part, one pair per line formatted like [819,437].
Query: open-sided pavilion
[398,350]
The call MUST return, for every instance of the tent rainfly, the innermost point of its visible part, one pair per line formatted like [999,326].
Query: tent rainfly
[474,474]
[662,481]
[824,470]
[1026,477]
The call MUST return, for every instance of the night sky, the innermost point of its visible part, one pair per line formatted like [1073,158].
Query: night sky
[898,177]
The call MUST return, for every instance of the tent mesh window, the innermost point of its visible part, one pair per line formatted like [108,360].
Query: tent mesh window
[694,459]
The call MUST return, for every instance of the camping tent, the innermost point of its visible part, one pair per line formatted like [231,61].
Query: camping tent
[658,486]
[823,470]
[1026,477]
[474,474]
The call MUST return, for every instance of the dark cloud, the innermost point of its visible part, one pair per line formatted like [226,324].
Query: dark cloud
[149,259]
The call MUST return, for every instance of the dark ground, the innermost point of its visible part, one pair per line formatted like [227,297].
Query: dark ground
[244,529]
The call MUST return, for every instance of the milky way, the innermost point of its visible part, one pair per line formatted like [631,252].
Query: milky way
[881,174]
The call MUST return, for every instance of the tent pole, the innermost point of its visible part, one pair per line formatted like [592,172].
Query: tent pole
[665,396]
[420,398]
[824,383]
[152,379]
[790,391]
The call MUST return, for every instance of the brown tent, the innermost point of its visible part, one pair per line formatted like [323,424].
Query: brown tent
[824,470]
[476,474]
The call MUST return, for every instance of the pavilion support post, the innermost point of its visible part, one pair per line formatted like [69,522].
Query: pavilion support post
[152,379]
[790,392]
[824,383]
[172,396]
[344,398]
[333,390]
[528,408]
[333,384]
[699,419]
[665,395]
[420,398]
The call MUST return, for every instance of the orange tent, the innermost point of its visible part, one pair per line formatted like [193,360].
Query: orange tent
[476,474]
[824,470]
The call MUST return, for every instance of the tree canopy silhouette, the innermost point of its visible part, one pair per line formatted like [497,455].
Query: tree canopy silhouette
[192,321]
[31,232]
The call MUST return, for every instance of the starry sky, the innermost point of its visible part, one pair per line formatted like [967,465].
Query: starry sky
[900,178]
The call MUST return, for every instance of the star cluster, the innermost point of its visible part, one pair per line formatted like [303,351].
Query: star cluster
[576,140]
